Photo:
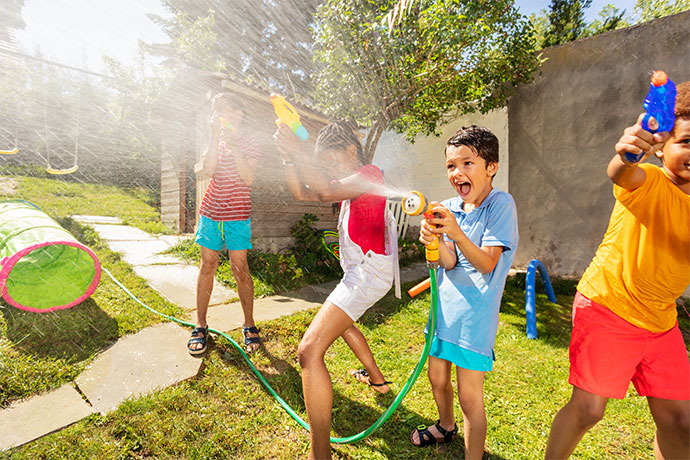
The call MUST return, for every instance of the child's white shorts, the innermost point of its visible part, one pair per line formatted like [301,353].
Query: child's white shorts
[363,285]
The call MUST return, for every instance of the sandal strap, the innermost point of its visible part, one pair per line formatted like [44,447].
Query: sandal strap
[248,340]
[425,436]
[199,329]
[251,330]
[447,434]
[385,382]
[195,340]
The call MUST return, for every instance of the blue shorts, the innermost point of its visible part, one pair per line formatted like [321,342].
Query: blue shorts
[232,234]
[461,357]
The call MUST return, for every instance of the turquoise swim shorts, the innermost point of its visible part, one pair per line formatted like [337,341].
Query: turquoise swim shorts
[235,235]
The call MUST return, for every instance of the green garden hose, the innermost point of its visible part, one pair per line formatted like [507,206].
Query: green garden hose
[381,420]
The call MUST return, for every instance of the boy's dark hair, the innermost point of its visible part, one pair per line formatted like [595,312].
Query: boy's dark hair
[339,135]
[478,138]
[232,100]
[683,100]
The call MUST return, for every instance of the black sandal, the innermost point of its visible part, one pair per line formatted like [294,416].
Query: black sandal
[199,335]
[364,373]
[251,340]
[428,439]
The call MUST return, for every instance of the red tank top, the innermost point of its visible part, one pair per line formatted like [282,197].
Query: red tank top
[367,223]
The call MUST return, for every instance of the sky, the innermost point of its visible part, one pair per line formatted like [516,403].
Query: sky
[113,27]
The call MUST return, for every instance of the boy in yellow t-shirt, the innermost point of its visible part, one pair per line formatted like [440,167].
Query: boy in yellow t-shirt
[624,313]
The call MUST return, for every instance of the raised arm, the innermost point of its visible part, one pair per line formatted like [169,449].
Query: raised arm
[210,160]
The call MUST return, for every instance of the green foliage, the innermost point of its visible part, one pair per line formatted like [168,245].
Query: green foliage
[58,116]
[610,18]
[314,259]
[10,14]
[443,57]
[264,42]
[566,21]
[653,9]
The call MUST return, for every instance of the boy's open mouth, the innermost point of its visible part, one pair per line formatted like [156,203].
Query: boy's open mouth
[464,188]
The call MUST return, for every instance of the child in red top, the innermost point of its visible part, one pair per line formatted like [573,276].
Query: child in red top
[368,255]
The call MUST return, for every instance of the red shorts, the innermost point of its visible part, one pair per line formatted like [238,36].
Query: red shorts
[607,352]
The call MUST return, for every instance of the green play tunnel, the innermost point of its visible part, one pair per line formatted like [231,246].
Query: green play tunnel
[44,268]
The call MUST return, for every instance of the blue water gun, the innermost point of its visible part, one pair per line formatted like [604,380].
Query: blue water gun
[660,103]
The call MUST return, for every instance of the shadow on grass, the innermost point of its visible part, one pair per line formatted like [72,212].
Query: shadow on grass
[553,320]
[72,335]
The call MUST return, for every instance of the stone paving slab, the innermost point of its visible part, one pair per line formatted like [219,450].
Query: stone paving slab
[97,219]
[121,233]
[140,253]
[229,316]
[35,417]
[177,283]
[153,358]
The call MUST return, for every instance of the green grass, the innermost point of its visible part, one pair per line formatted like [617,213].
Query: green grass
[40,352]
[59,198]
[224,413]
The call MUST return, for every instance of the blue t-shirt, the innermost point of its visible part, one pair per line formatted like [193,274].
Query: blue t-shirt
[468,300]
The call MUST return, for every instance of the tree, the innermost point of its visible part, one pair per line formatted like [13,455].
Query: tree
[566,21]
[610,18]
[264,42]
[654,9]
[11,14]
[409,74]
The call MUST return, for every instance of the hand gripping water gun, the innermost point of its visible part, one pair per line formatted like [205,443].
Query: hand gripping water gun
[287,114]
[660,104]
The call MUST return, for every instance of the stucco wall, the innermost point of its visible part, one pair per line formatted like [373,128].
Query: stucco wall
[563,128]
[421,166]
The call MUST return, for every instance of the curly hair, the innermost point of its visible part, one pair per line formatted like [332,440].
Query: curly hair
[683,100]
[339,135]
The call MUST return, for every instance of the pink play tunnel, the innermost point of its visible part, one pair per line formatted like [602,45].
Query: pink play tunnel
[43,267]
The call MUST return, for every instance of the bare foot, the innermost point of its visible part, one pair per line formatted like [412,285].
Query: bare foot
[363,376]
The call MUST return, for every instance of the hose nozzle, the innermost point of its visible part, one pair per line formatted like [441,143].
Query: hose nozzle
[414,203]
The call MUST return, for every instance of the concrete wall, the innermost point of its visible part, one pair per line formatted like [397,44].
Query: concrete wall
[421,166]
[563,128]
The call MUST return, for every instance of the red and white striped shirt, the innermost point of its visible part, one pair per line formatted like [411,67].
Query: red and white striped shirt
[228,197]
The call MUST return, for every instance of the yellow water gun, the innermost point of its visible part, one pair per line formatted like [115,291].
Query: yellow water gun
[287,114]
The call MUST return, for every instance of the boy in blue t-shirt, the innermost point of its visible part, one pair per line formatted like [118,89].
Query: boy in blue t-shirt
[478,236]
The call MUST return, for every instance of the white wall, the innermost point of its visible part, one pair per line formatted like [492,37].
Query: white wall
[421,166]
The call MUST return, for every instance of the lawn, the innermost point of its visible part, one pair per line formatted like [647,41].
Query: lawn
[224,413]
[40,352]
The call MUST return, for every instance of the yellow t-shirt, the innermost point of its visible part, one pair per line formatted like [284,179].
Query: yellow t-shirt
[643,264]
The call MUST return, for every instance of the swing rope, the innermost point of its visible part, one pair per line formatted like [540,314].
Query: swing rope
[346,440]
[74,167]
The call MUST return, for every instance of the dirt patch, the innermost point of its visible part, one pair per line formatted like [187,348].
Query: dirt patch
[8,186]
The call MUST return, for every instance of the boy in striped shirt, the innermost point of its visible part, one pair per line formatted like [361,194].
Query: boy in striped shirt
[230,161]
